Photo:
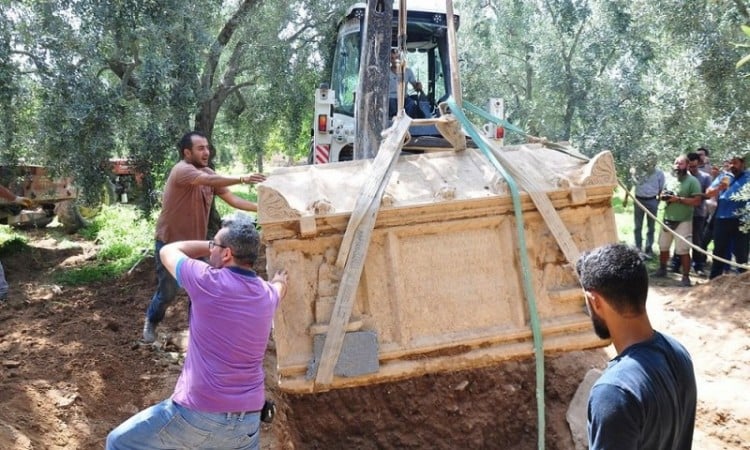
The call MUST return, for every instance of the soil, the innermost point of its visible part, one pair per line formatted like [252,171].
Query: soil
[72,368]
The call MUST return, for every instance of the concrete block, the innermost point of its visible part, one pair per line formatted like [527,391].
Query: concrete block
[359,355]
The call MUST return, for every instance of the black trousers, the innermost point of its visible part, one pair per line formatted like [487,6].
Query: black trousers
[729,239]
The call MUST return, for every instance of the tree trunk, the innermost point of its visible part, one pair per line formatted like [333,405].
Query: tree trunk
[371,112]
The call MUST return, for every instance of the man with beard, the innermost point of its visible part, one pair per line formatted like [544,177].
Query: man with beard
[699,217]
[186,204]
[646,397]
[728,235]
[681,196]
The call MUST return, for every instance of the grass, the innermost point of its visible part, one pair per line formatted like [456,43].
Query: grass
[124,237]
[11,241]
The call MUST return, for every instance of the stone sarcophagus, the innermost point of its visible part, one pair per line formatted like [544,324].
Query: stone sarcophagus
[442,284]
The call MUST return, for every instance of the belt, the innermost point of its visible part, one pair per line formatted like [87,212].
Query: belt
[244,412]
[638,197]
[241,414]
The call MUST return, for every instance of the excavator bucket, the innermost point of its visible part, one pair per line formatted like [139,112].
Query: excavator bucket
[441,285]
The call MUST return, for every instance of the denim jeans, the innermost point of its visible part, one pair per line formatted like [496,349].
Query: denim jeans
[653,207]
[168,425]
[728,239]
[166,289]
[3,284]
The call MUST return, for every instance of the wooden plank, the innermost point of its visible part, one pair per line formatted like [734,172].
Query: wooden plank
[381,167]
[354,247]
[544,206]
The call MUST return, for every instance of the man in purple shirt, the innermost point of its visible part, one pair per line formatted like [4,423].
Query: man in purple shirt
[220,392]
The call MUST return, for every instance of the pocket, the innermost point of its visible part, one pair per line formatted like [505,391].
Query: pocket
[182,434]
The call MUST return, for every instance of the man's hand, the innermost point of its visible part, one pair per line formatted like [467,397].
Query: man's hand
[24,201]
[418,86]
[281,278]
[253,178]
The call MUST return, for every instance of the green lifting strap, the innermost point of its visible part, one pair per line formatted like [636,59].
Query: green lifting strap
[496,120]
[525,266]
[510,127]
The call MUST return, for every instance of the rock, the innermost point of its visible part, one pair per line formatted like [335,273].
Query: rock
[577,415]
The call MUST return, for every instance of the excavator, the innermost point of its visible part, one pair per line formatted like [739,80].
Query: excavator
[448,250]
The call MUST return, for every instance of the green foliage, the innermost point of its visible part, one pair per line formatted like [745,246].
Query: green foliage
[124,238]
[247,192]
[127,79]
[746,58]
[632,77]
[11,241]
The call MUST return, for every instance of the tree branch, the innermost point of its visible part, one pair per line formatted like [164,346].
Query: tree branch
[226,33]
[38,63]
[742,8]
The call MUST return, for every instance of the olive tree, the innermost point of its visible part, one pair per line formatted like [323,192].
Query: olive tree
[128,78]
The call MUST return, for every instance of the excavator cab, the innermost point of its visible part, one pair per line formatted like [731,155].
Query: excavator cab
[427,50]
[426,55]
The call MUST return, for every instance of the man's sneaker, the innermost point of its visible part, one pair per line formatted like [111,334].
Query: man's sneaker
[661,272]
[700,273]
[685,281]
[149,331]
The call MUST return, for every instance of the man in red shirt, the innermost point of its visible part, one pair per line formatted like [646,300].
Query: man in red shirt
[188,193]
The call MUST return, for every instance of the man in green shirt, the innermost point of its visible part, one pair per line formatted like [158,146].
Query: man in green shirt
[681,196]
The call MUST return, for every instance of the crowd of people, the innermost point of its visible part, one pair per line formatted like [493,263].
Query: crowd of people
[700,205]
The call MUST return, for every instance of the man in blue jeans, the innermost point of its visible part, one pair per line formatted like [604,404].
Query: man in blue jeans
[186,204]
[728,234]
[220,393]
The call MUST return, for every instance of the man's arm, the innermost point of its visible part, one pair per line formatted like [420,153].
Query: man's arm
[216,180]
[690,201]
[614,419]
[717,187]
[13,198]
[171,254]
[238,202]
